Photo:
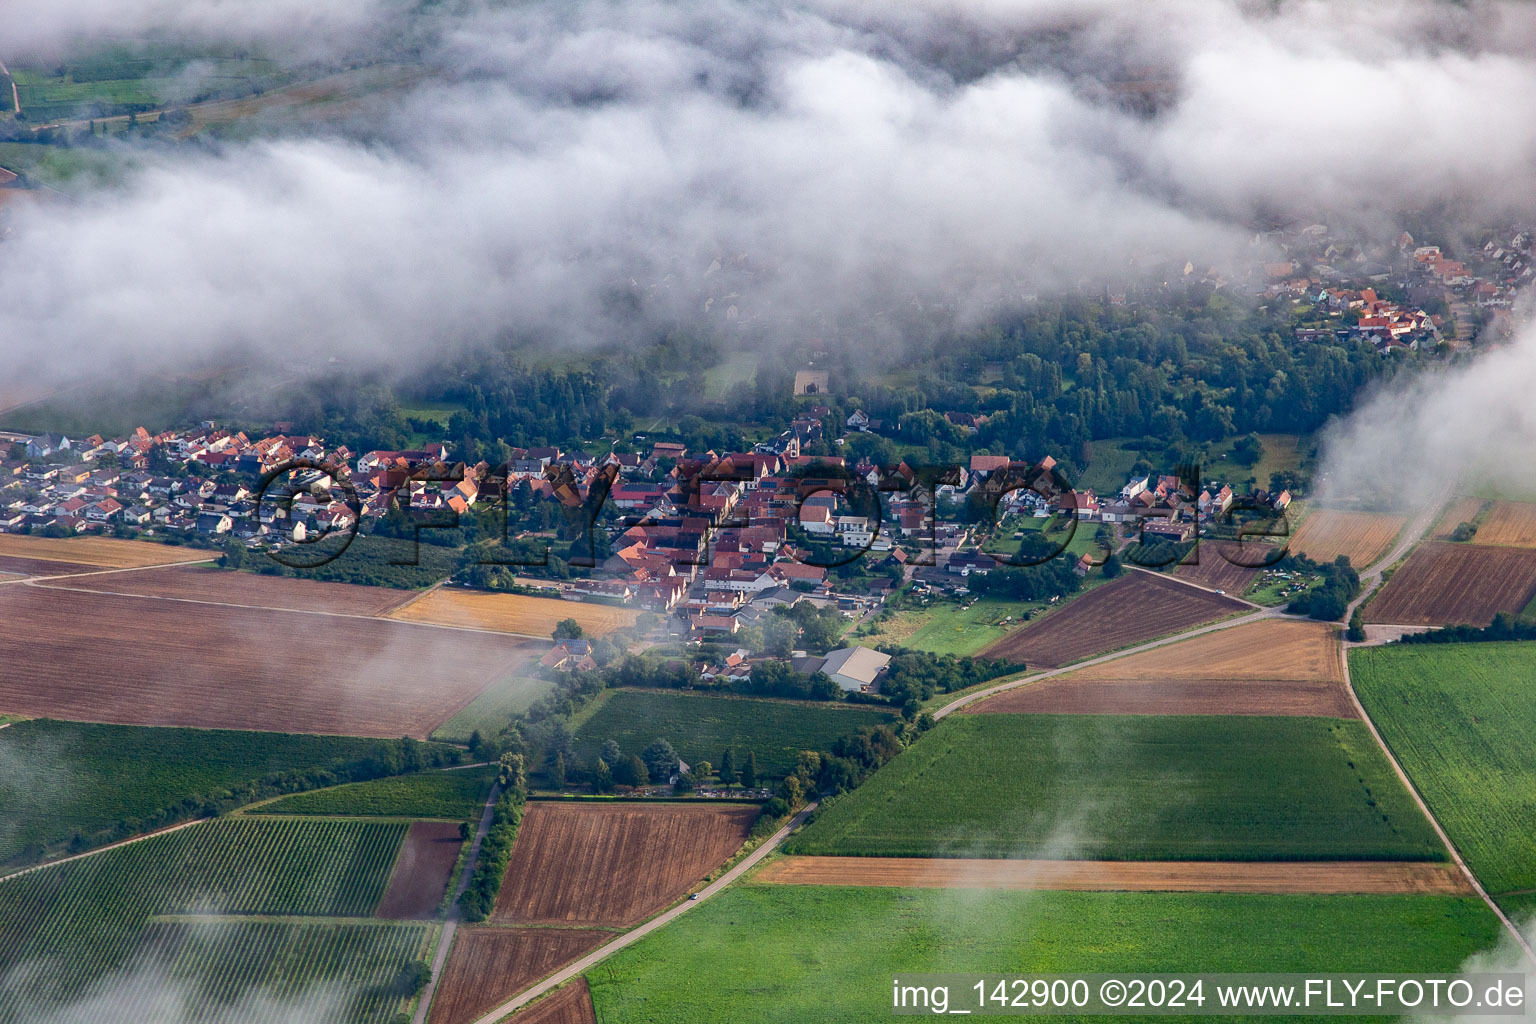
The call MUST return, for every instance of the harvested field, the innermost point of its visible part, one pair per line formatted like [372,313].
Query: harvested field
[94,552]
[1269,649]
[1456,584]
[420,879]
[488,966]
[1462,510]
[1363,536]
[1121,876]
[1134,609]
[614,863]
[1511,524]
[514,613]
[139,661]
[570,1005]
[248,590]
[1217,572]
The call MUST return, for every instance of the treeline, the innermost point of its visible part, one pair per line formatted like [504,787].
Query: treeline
[844,766]
[394,757]
[917,675]
[479,896]
[1504,627]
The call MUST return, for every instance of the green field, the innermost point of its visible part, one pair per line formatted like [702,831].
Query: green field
[1460,717]
[493,710]
[781,953]
[107,922]
[457,794]
[1131,788]
[944,627]
[701,726]
[62,778]
[1110,468]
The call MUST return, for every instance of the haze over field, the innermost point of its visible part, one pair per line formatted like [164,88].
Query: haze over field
[579,174]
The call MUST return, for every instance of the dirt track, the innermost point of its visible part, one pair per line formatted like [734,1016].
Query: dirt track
[1121,876]
[244,589]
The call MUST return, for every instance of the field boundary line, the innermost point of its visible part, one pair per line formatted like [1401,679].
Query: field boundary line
[639,932]
[103,849]
[1190,583]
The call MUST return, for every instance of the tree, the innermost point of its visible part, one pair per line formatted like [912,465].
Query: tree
[631,771]
[703,770]
[1356,633]
[568,629]
[611,752]
[557,773]
[779,636]
[1113,567]
[233,556]
[1248,450]
[660,760]
[727,768]
[465,831]
[602,777]
[749,771]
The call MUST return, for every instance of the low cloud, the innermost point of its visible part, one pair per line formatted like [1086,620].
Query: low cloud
[580,174]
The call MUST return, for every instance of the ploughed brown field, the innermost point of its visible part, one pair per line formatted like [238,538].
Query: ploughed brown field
[248,590]
[1462,510]
[1273,667]
[1456,584]
[1364,536]
[1136,608]
[489,965]
[514,613]
[420,879]
[1121,876]
[1217,572]
[1510,524]
[142,661]
[571,1005]
[614,863]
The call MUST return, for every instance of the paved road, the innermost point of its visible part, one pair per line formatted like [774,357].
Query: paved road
[589,961]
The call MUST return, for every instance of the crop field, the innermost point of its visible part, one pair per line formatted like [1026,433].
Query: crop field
[570,1004]
[1509,524]
[1273,667]
[1130,787]
[514,613]
[1120,875]
[245,589]
[614,863]
[702,726]
[840,938]
[61,778]
[490,712]
[69,929]
[1133,609]
[490,965]
[1214,571]
[458,794]
[1327,533]
[421,876]
[251,971]
[1462,510]
[1452,584]
[46,556]
[139,661]
[1459,718]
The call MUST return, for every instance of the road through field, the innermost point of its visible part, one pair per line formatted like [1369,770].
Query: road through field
[629,938]
[445,937]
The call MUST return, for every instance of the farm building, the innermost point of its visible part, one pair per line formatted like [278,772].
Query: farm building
[855,668]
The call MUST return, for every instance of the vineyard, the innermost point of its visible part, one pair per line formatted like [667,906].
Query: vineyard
[76,930]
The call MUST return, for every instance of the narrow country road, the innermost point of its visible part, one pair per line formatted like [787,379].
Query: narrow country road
[15,93]
[451,926]
[635,935]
